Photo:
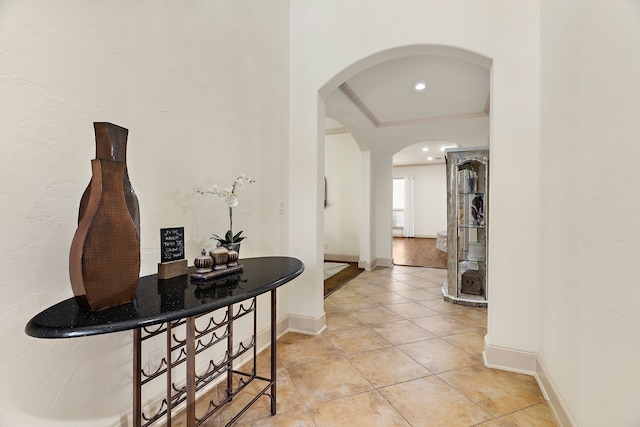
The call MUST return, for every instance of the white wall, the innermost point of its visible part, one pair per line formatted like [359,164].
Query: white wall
[342,213]
[202,88]
[430,197]
[589,144]
[505,32]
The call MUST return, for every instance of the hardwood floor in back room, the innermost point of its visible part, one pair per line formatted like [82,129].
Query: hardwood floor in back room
[418,252]
[339,279]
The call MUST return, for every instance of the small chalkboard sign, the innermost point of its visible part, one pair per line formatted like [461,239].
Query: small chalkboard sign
[171,244]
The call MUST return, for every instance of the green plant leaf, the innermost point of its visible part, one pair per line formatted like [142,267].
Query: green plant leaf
[229,237]
[219,239]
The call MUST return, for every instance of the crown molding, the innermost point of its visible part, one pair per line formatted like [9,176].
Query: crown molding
[349,93]
[336,131]
[431,119]
[410,165]
[355,99]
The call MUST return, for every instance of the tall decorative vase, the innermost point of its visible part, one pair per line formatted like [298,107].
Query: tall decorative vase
[111,144]
[104,260]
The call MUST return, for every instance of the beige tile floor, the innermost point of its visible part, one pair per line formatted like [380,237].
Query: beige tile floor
[394,354]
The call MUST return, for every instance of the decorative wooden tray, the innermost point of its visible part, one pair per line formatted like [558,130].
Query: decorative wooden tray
[203,278]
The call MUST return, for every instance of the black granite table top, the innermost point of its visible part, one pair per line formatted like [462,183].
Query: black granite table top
[159,301]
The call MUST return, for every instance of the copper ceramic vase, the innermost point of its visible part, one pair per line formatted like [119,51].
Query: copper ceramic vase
[104,260]
[111,144]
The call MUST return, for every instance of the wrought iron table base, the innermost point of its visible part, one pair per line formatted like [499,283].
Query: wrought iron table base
[185,350]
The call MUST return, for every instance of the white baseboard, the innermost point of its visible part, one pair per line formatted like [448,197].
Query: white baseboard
[522,362]
[263,339]
[366,265]
[557,405]
[307,325]
[508,359]
[384,262]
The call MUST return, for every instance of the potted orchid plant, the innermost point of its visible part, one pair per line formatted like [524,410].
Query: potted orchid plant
[230,196]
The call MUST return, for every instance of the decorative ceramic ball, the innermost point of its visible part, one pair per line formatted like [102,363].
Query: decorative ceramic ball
[233,258]
[220,257]
[203,263]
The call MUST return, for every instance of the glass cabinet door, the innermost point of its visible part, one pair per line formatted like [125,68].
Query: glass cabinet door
[467,193]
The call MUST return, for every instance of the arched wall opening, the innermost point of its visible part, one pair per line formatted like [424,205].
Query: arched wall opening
[328,49]
[381,143]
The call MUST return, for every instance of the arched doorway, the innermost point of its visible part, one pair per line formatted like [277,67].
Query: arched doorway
[376,101]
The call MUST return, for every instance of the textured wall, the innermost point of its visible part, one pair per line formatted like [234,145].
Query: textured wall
[430,197]
[342,215]
[202,87]
[589,142]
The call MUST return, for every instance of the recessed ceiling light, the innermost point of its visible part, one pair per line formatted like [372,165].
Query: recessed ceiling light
[425,149]
[429,158]
[420,86]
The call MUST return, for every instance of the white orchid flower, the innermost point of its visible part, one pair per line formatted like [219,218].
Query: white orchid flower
[230,196]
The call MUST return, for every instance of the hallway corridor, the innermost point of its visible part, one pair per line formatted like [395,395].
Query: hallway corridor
[395,354]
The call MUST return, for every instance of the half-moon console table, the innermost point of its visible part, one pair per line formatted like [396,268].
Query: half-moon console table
[184,313]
